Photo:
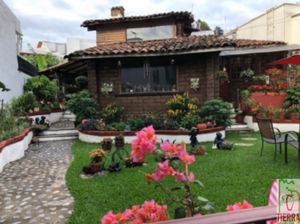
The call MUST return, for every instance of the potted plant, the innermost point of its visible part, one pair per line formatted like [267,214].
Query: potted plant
[282,114]
[247,75]
[96,164]
[107,144]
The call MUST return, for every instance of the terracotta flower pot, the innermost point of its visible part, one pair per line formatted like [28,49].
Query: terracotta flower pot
[107,144]
[201,126]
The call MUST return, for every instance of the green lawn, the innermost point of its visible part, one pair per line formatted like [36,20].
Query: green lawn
[228,176]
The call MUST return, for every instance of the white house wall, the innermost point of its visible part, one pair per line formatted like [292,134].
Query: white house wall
[276,24]
[9,74]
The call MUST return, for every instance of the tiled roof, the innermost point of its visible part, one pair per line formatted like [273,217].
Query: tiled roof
[169,46]
[176,15]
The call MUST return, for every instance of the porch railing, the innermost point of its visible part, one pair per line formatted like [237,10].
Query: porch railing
[254,215]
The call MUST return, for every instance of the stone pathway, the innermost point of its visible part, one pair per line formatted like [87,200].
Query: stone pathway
[33,189]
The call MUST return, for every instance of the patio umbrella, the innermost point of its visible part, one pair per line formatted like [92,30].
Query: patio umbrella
[294,60]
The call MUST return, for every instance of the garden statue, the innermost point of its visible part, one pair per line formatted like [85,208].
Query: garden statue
[193,136]
[107,144]
[221,144]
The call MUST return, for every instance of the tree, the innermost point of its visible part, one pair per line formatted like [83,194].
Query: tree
[202,25]
[218,31]
[41,61]
[3,87]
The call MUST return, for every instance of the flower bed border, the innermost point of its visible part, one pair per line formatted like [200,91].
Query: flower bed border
[282,125]
[96,136]
[7,145]
[45,112]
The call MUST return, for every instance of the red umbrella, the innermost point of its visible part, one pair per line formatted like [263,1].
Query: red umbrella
[294,60]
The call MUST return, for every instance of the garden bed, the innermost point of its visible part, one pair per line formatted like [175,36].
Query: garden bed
[205,135]
[13,148]
[282,125]
[52,116]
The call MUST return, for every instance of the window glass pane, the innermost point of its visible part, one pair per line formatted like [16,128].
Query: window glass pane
[150,33]
[149,79]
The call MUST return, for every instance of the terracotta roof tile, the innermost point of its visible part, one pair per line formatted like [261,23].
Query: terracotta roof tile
[174,45]
[176,15]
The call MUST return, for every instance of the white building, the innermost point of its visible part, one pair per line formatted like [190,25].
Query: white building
[62,49]
[11,66]
[281,23]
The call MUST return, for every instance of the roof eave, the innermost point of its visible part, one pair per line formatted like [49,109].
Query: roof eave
[200,51]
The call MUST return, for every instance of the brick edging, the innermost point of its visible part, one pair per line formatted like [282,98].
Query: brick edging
[15,139]
[159,132]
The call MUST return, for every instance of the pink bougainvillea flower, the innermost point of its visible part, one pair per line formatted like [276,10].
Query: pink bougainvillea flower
[143,144]
[148,212]
[180,176]
[163,170]
[238,206]
[111,218]
[153,212]
[170,149]
[186,158]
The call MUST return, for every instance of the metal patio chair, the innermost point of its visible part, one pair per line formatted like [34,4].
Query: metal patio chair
[294,141]
[268,135]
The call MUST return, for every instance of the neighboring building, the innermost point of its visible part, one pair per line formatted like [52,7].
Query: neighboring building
[13,69]
[281,23]
[62,49]
[142,61]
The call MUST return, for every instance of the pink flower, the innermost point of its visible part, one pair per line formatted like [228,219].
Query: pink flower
[162,171]
[170,149]
[186,158]
[238,206]
[143,144]
[111,218]
[148,212]
[180,176]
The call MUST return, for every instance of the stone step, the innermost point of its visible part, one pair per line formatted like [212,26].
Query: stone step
[56,137]
[69,116]
[239,128]
[59,131]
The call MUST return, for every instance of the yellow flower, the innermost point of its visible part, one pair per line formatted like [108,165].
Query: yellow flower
[97,153]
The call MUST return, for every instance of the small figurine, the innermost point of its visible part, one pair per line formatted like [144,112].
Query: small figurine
[193,136]
[221,144]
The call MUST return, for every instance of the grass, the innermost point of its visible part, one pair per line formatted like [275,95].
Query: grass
[228,176]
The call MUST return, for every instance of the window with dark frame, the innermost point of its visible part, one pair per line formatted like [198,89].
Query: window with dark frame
[148,78]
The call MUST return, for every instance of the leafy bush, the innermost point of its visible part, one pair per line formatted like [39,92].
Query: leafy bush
[136,124]
[190,121]
[292,97]
[11,125]
[83,105]
[42,87]
[112,113]
[118,126]
[24,103]
[180,106]
[217,110]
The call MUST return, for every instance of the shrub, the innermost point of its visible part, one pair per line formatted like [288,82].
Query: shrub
[24,103]
[11,125]
[181,105]
[292,97]
[136,124]
[42,87]
[190,121]
[119,126]
[112,113]
[217,110]
[83,105]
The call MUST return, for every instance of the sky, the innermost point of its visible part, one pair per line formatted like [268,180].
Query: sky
[56,20]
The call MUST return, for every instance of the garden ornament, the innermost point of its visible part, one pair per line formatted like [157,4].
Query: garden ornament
[221,144]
